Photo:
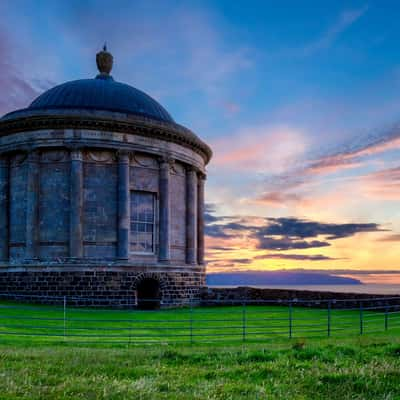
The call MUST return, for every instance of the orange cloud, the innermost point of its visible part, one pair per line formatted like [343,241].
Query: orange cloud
[350,159]
[259,149]
[384,184]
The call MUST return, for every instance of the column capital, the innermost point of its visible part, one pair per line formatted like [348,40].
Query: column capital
[166,161]
[202,176]
[33,155]
[76,154]
[191,169]
[124,155]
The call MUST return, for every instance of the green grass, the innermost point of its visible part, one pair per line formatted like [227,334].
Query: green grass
[24,322]
[362,368]
[217,365]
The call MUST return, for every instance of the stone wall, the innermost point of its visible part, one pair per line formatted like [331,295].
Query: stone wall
[213,296]
[99,218]
[98,287]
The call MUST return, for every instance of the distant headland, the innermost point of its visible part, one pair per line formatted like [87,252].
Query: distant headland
[262,278]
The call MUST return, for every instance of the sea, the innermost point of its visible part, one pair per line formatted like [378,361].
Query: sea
[367,288]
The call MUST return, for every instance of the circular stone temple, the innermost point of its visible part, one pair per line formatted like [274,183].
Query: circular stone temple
[101,197]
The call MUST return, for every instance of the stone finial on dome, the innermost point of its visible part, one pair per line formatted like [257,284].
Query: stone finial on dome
[104,61]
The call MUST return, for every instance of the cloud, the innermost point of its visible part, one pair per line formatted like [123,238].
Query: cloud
[300,257]
[240,260]
[196,56]
[279,198]
[259,148]
[216,231]
[299,228]
[391,238]
[16,91]
[221,248]
[210,207]
[209,218]
[383,184]
[285,189]
[345,20]
[281,234]
[231,108]
[352,158]
[287,243]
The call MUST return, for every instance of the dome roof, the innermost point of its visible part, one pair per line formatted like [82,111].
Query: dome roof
[101,93]
[101,104]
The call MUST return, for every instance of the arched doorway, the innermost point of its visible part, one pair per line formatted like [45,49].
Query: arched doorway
[148,294]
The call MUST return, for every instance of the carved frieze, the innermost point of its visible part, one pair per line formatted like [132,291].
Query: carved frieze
[100,156]
[53,156]
[178,169]
[144,161]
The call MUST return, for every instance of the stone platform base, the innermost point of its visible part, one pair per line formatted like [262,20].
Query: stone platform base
[110,287]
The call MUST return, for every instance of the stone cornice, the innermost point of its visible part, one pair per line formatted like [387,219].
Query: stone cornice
[109,266]
[25,121]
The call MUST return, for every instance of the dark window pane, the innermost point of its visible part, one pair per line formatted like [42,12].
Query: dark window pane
[142,221]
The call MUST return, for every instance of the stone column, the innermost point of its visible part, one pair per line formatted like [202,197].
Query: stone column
[32,206]
[4,208]
[123,206]
[191,212]
[76,205]
[164,222]
[200,218]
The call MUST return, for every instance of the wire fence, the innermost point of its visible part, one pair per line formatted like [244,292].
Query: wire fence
[219,321]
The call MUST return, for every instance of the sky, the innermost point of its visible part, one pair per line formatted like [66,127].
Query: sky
[299,100]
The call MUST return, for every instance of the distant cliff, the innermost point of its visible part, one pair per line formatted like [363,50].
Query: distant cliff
[258,278]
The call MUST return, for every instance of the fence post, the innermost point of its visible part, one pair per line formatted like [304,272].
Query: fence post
[290,319]
[329,318]
[130,322]
[386,318]
[361,319]
[191,321]
[244,321]
[65,317]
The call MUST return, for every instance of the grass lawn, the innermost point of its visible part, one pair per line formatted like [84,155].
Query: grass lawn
[267,365]
[362,368]
[36,323]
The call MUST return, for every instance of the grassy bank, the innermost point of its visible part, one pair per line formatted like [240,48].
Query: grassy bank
[362,368]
